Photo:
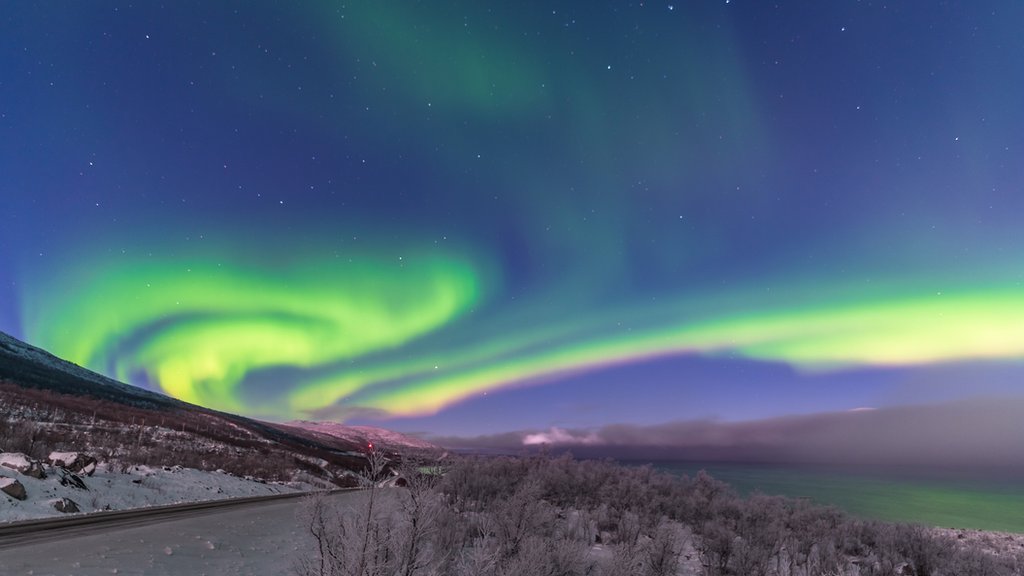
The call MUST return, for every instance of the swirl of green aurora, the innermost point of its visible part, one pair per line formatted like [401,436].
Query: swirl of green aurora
[198,334]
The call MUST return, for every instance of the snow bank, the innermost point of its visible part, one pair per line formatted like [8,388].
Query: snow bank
[15,460]
[61,458]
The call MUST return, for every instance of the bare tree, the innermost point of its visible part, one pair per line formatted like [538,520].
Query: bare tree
[522,515]
[663,549]
[321,521]
[420,505]
[360,541]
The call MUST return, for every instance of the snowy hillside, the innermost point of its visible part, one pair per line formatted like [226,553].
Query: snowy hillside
[48,404]
[27,365]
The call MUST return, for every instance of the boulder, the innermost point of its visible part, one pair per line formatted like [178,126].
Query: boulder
[76,462]
[35,471]
[23,464]
[66,506]
[72,480]
[12,488]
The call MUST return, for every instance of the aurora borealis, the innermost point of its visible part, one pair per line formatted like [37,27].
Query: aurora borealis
[481,217]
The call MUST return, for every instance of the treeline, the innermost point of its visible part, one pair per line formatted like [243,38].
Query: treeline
[128,445]
[563,517]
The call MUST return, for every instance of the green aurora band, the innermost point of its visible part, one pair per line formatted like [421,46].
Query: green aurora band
[352,334]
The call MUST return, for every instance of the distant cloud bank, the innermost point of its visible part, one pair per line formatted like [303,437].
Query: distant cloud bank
[559,436]
[981,433]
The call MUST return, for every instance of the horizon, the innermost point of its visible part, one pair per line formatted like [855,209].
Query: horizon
[710,228]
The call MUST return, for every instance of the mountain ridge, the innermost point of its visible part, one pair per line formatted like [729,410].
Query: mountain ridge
[47,403]
[381,437]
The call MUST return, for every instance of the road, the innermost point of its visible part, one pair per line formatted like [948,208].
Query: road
[61,527]
[260,536]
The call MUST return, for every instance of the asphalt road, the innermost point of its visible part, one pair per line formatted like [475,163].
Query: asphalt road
[251,536]
[14,533]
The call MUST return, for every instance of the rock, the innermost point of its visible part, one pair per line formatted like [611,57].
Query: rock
[22,463]
[69,478]
[62,459]
[66,506]
[12,488]
[35,471]
[77,462]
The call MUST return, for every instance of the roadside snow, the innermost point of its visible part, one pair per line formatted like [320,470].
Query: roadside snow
[139,486]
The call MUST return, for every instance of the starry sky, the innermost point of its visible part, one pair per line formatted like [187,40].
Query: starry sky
[468,218]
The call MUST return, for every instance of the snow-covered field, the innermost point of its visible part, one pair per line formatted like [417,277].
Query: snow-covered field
[254,541]
[137,486]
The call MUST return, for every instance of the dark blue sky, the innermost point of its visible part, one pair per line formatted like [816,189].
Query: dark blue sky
[481,217]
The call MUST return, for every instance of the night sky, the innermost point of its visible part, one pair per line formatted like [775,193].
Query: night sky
[468,218]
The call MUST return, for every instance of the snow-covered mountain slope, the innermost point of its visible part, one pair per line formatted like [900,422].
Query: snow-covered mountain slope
[366,435]
[27,365]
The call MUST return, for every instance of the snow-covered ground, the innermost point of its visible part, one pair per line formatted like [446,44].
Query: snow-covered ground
[258,540]
[138,486]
